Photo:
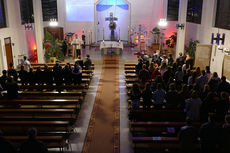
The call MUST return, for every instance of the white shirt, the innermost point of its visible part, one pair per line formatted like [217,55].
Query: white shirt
[27,65]
[77,42]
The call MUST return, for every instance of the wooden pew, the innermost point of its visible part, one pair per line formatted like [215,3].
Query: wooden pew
[171,144]
[129,67]
[52,64]
[53,87]
[53,94]
[130,71]
[51,67]
[130,64]
[36,114]
[21,127]
[40,101]
[49,141]
[157,115]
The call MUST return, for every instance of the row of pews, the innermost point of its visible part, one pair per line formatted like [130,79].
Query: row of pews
[153,130]
[51,109]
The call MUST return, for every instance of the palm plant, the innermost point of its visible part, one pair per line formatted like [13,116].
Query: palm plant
[51,46]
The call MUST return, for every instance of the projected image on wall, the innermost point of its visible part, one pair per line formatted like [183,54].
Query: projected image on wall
[80,10]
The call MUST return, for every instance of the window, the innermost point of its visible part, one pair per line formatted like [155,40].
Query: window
[2,15]
[173,10]
[49,10]
[27,13]
[223,14]
[194,11]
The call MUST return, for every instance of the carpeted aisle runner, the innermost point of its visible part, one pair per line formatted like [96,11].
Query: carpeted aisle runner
[104,129]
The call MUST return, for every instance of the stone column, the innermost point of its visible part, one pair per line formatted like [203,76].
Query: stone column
[39,31]
[181,32]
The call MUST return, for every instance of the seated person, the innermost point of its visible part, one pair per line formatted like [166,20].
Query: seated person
[3,79]
[32,145]
[5,145]
[87,63]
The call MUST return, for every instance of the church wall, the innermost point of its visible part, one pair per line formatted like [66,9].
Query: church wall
[145,12]
[203,32]
[14,30]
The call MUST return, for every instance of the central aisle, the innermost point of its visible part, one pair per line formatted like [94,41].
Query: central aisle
[104,129]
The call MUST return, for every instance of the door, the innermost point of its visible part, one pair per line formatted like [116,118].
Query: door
[8,48]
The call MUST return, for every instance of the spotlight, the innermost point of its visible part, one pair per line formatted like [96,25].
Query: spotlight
[163,22]
[53,23]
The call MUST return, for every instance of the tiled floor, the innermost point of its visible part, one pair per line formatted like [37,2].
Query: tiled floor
[81,126]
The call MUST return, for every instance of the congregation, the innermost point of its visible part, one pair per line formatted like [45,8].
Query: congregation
[67,75]
[166,84]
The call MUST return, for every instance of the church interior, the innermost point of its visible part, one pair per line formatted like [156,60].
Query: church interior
[114,76]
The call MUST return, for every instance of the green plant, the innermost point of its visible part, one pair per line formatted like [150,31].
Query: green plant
[171,41]
[191,48]
[52,47]
[156,31]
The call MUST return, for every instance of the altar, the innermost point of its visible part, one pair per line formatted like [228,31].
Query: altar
[115,46]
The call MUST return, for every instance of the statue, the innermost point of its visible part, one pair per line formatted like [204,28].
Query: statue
[112,25]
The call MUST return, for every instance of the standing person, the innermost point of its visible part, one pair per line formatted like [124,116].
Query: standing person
[83,39]
[57,74]
[192,106]
[188,137]
[23,75]
[64,47]
[26,64]
[77,42]
[12,72]
[47,76]
[67,75]
[3,79]
[225,143]
[170,60]
[5,145]
[209,136]
[143,74]
[12,88]
[32,145]
[135,96]
[77,73]
[147,96]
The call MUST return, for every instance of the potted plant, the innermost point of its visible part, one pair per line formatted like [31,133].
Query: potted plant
[191,48]
[52,48]
[156,38]
[171,42]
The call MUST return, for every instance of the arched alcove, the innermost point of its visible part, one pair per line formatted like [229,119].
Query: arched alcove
[121,10]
